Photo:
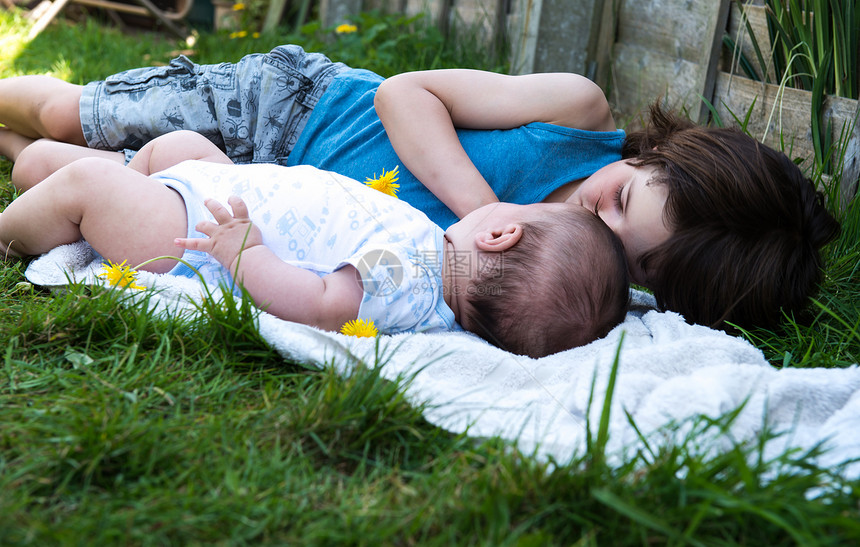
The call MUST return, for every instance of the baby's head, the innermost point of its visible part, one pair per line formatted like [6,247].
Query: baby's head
[562,284]
[746,225]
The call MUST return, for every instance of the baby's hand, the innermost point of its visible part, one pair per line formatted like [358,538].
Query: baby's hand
[231,236]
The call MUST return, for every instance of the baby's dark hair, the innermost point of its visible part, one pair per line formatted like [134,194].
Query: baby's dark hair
[747,226]
[564,284]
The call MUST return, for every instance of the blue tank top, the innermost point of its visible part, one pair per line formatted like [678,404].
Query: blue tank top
[522,165]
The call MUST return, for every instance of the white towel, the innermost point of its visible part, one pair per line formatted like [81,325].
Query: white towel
[669,373]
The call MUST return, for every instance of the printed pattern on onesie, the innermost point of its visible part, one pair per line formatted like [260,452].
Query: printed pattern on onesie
[321,221]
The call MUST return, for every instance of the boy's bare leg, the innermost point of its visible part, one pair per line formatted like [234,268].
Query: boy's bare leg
[123,214]
[42,106]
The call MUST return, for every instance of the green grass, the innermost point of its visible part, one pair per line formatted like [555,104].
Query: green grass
[117,427]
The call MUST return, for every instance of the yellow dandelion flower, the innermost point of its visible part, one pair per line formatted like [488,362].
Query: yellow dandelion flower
[255,35]
[360,328]
[345,28]
[238,6]
[120,275]
[385,183]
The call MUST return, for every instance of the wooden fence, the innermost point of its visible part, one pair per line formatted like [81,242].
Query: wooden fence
[639,50]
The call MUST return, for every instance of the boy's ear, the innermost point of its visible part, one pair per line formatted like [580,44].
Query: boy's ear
[496,241]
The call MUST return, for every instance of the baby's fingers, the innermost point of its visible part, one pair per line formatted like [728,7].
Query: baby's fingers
[194,244]
[221,214]
[206,227]
[240,210]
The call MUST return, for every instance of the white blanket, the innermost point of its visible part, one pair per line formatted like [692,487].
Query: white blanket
[669,373]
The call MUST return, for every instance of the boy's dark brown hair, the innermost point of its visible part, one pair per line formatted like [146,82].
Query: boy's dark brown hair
[564,284]
[747,226]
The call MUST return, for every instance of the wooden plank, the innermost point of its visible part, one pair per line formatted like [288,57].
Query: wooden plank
[422,6]
[525,25]
[598,59]
[710,57]
[552,35]
[480,15]
[485,20]
[737,29]
[500,26]
[46,18]
[675,27]
[176,14]
[274,14]
[114,6]
[335,12]
[769,111]
[851,168]
[677,42]
[563,35]
[780,117]
[641,76]
[432,8]
[162,18]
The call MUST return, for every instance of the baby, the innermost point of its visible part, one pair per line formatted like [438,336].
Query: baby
[318,248]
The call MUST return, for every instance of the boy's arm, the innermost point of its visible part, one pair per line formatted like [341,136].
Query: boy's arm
[281,289]
[420,111]
[173,148]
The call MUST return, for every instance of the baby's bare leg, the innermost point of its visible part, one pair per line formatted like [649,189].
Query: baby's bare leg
[12,144]
[42,157]
[42,106]
[173,148]
[35,160]
[124,215]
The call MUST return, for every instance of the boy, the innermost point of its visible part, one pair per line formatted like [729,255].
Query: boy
[318,248]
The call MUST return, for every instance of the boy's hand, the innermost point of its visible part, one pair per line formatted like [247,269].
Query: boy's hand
[230,237]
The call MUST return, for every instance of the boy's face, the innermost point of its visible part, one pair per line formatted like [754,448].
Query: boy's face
[621,196]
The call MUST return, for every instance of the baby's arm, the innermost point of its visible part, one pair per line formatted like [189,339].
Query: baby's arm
[281,289]
[420,110]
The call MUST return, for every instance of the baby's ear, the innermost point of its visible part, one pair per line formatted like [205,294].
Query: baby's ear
[496,241]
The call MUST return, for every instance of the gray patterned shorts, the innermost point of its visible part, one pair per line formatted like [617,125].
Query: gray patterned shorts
[254,109]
